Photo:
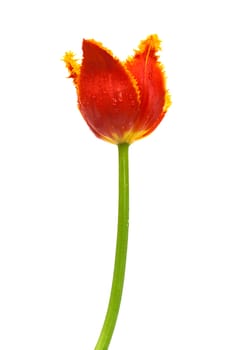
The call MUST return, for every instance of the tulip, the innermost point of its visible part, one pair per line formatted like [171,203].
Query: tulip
[121,102]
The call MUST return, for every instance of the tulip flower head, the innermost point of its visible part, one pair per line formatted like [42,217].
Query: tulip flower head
[120,101]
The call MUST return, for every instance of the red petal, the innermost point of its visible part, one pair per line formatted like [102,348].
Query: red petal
[108,95]
[149,74]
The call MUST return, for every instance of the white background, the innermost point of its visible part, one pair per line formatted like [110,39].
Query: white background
[58,183]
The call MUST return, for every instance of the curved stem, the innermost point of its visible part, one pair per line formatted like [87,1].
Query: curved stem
[121,251]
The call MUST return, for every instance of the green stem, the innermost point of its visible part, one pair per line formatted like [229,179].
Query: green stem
[121,251]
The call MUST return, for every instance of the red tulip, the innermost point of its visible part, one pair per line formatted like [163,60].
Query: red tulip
[120,101]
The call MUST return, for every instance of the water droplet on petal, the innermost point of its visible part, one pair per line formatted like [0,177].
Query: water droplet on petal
[120,96]
[132,101]
[114,101]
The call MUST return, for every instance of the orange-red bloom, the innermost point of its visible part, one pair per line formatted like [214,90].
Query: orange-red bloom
[120,101]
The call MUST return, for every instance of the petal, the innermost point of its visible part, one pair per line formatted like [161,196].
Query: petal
[72,65]
[148,72]
[109,97]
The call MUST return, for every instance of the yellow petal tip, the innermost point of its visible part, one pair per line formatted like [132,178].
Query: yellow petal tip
[152,44]
[71,64]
